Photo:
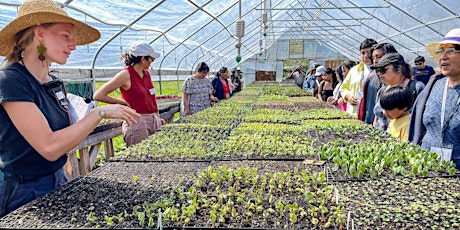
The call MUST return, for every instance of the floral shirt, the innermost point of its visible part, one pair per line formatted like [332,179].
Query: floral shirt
[198,91]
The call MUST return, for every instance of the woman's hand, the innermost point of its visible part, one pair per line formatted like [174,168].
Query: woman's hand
[118,112]
[353,100]
[339,101]
[214,99]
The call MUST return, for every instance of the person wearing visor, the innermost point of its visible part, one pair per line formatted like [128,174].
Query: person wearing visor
[36,128]
[393,70]
[435,121]
[137,92]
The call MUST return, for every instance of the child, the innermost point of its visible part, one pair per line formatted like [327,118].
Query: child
[395,102]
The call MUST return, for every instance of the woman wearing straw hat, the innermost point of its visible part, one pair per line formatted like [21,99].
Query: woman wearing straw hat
[435,121]
[137,92]
[36,126]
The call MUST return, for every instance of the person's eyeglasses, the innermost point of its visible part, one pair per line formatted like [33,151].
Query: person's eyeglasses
[382,70]
[419,63]
[447,51]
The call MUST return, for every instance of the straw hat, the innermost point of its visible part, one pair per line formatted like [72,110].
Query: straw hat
[452,37]
[36,12]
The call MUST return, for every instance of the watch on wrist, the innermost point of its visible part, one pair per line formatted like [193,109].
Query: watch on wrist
[102,113]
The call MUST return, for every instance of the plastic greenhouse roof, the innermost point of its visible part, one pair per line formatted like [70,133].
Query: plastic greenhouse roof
[190,31]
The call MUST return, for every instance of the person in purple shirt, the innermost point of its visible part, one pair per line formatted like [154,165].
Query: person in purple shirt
[422,72]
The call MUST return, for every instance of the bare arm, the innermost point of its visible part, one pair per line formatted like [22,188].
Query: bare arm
[320,91]
[121,80]
[34,127]
[186,103]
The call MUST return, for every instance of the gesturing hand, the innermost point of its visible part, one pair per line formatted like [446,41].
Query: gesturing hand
[117,111]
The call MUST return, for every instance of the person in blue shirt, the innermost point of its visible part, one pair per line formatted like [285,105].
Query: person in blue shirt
[435,121]
[222,84]
[36,126]
[422,72]
[310,79]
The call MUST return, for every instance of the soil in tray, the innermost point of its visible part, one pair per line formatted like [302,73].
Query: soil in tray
[403,203]
[267,166]
[153,175]
[75,203]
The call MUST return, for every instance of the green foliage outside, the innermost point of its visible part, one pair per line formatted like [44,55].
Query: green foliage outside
[288,63]
[168,88]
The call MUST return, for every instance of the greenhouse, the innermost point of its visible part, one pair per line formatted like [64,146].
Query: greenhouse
[271,156]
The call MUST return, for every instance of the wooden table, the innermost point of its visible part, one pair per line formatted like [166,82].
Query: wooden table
[81,159]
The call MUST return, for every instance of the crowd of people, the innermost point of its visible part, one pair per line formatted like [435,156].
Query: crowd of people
[199,92]
[413,104]
[38,128]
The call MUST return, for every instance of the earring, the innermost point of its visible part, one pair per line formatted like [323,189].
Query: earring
[41,50]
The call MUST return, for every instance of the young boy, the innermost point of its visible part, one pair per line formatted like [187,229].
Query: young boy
[395,102]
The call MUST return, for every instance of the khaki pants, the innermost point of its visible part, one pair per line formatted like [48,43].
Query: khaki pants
[146,125]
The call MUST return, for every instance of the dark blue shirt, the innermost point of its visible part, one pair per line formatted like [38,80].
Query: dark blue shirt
[424,74]
[17,156]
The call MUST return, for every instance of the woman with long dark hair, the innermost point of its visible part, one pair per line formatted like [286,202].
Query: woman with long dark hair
[326,87]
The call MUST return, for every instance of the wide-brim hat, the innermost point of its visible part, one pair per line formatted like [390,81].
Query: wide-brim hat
[452,37]
[36,12]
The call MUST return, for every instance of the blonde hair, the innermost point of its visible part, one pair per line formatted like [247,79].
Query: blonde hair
[22,39]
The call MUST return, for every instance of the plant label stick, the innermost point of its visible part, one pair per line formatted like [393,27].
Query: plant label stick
[348,220]
[160,224]
[336,196]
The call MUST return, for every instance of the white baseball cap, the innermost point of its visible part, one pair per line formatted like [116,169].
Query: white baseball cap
[142,48]
[320,70]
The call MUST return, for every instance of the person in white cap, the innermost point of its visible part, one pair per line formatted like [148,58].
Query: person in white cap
[317,81]
[36,128]
[137,92]
[435,120]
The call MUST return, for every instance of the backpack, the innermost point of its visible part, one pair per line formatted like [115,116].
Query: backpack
[412,89]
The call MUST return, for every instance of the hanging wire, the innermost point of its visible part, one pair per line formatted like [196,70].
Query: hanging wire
[121,46]
[87,45]
[419,29]
[400,24]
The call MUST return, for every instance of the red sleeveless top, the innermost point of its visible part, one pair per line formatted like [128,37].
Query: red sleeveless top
[141,95]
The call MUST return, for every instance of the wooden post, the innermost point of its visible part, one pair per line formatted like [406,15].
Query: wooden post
[71,166]
[109,150]
[84,162]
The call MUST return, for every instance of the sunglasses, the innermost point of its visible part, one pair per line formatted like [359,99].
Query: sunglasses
[382,70]
[419,63]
